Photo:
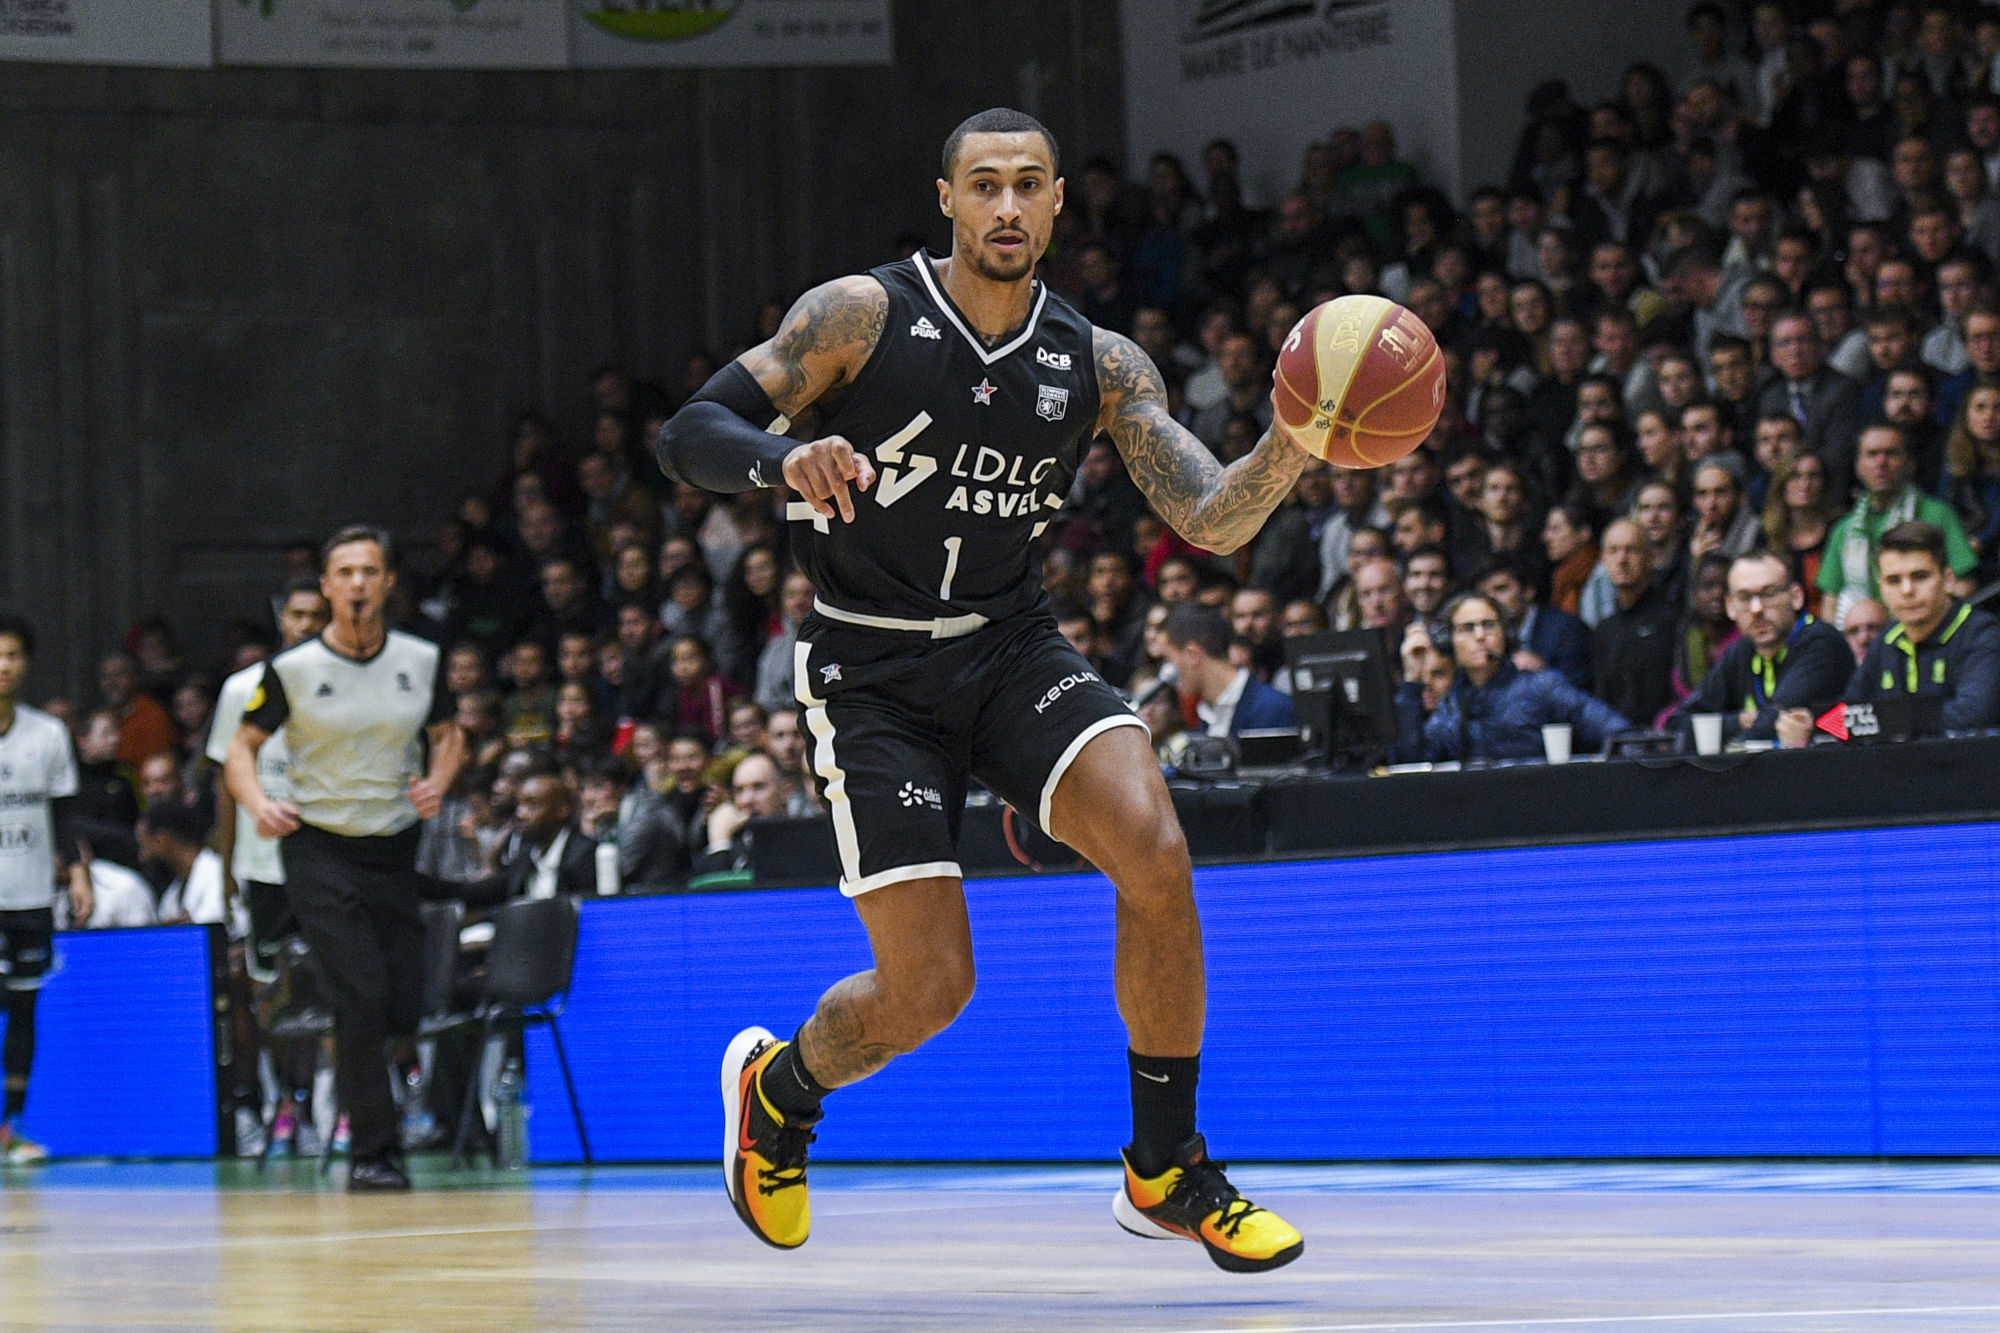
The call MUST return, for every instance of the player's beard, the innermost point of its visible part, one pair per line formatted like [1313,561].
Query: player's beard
[996,267]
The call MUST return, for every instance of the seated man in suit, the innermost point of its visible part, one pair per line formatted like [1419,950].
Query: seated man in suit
[651,855]
[545,855]
[1230,699]
[1545,639]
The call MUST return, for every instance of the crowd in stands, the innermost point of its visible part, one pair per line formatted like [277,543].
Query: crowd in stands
[1722,435]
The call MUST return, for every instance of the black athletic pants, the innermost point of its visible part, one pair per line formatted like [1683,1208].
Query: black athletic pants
[357,902]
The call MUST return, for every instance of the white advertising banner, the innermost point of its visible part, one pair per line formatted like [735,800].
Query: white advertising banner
[1276,75]
[108,32]
[622,33]
[440,34]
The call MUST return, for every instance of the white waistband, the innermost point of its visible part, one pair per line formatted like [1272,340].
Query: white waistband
[943,627]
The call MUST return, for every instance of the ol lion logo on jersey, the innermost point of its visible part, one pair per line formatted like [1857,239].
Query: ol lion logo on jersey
[1051,403]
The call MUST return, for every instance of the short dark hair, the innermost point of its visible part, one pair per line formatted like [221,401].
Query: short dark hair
[607,768]
[999,120]
[303,583]
[1759,554]
[1428,553]
[1915,538]
[17,626]
[358,532]
[182,822]
[1191,622]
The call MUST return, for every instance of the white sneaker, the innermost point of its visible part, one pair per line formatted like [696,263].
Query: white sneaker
[16,1149]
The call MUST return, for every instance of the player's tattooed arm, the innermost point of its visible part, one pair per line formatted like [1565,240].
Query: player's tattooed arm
[825,339]
[1215,507]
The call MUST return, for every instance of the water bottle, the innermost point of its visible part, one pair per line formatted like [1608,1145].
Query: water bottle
[512,1116]
[607,867]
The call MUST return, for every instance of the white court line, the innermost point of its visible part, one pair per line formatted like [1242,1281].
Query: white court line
[1585,1321]
[432,1233]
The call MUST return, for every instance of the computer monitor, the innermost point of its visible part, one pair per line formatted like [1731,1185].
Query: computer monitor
[1344,691]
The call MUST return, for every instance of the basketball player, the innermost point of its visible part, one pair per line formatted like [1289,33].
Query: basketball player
[37,785]
[255,862]
[954,398]
[357,703]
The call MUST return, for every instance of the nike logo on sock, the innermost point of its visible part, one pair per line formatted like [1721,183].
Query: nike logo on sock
[1157,1078]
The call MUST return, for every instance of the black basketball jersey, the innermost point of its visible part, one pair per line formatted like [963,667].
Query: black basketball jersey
[974,450]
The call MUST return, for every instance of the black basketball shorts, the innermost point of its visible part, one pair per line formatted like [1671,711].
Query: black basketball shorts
[898,721]
[27,940]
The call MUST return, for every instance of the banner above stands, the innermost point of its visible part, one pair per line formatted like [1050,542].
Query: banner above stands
[449,34]
[109,32]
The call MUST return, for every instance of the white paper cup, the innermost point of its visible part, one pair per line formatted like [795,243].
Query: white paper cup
[1707,733]
[1555,742]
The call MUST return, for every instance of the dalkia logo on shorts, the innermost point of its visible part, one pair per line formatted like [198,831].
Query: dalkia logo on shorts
[912,795]
[660,20]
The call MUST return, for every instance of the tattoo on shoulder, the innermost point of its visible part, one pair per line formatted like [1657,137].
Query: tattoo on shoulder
[1210,505]
[837,322]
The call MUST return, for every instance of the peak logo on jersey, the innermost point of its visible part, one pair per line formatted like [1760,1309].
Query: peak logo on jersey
[923,328]
[403,681]
[757,473]
[325,691]
[912,796]
[829,674]
[982,392]
[1051,403]
[1053,360]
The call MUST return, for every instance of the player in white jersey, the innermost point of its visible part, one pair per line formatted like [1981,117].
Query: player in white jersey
[256,863]
[37,784]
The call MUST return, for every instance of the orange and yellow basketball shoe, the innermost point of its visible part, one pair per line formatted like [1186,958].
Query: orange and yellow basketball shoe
[1193,1200]
[763,1154]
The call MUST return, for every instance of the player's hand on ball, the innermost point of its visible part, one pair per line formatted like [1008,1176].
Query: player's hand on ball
[820,472]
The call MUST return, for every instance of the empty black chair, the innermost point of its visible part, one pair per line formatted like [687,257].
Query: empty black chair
[528,969]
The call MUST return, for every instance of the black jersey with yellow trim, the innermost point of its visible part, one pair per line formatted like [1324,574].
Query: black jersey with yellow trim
[974,449]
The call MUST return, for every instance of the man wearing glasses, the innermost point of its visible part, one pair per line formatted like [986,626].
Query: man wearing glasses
[1784,659]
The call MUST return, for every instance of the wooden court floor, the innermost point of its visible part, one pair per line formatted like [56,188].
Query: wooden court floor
[1803,1249]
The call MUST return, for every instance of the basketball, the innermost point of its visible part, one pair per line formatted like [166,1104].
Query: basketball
[1360,382]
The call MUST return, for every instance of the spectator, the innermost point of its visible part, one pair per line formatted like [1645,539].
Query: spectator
[1972,464]
[1633,647]
[528,715]
[1784,658]
[1229,699]
[1889,499]
[785,742]
[1493,709]
[1378,591]
[701,697]
[1569,539]
[686,791]
[1907,401]
[1427,581]
[107,805]
[1544,638]
[757,791]
[1866,620]
[1938,649]
[144,727]
[1798,517]
[1707,630]
[1725,524]
[652,858]
[545,856]
[774,689]
[1825,401]
[612,497]
[171,837]
[1246,388]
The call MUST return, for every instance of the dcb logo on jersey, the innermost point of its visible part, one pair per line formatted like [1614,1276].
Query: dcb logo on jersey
[1051,403]
[1053,360]
[923,328]
[912,796]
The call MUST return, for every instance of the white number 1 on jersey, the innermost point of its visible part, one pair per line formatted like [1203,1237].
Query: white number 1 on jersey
[951,545]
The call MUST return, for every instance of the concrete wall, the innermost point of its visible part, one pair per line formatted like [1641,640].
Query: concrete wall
[1506,47]
[240,306]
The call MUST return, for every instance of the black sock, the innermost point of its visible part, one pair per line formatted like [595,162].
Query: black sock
[791,1086]
[1162,1108]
